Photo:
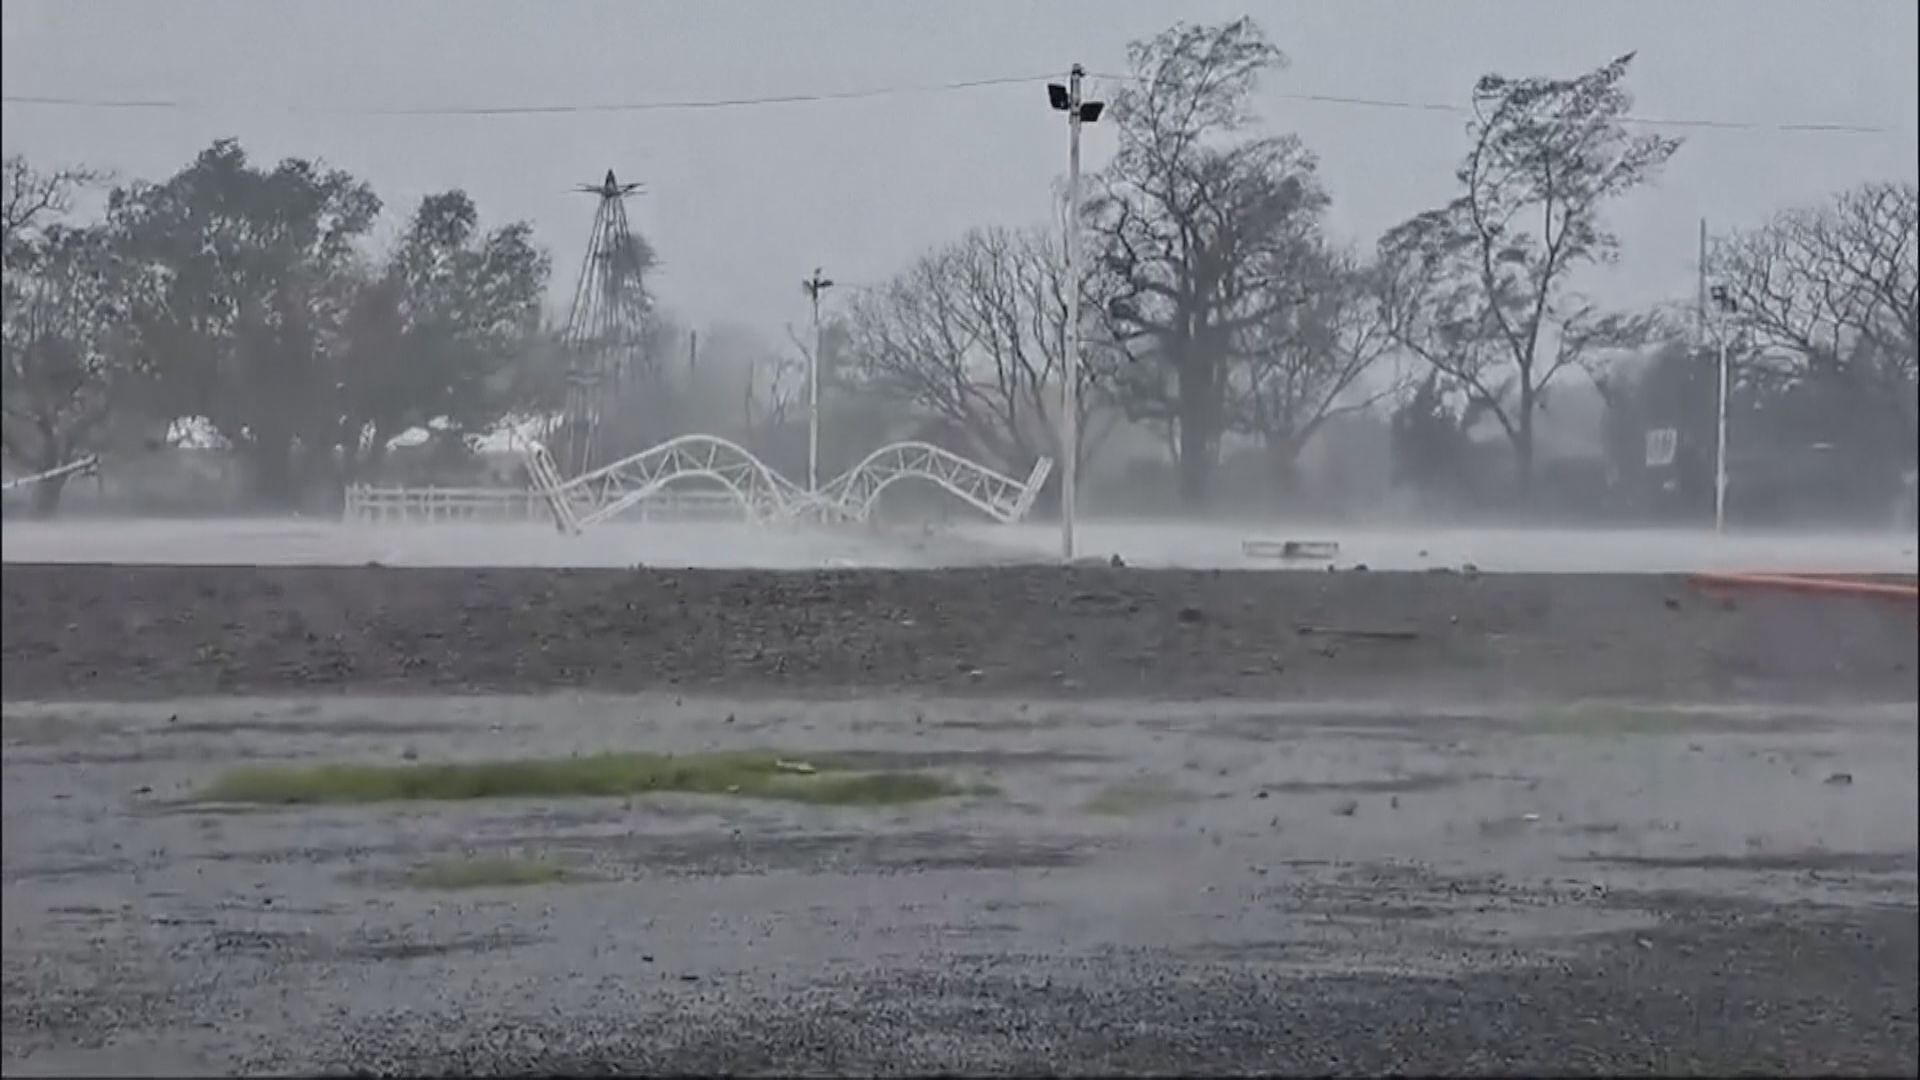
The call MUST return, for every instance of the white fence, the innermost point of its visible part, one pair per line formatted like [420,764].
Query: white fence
[411,505]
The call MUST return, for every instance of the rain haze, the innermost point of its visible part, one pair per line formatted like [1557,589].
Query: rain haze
[650,538]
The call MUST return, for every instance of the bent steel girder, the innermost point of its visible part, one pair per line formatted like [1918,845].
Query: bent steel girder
[82,466]
[610,489]
[853,494]
[544,477]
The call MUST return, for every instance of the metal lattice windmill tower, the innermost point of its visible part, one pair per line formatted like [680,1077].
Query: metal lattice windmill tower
[603,339]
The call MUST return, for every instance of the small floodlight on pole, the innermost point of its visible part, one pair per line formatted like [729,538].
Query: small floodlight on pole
[814,286]
[1067,99]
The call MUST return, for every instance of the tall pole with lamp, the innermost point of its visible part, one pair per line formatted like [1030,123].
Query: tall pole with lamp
[814,286]
[1726,306]
[1067,99]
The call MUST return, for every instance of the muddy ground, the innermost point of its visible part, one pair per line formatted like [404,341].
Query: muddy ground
[1574,825]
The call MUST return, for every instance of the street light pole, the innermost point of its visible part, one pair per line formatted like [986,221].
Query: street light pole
[814,286]
[1720,445]
[1726,306]
[1068,99]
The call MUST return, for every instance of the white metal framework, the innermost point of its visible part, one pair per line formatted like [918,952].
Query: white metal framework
[607,491]
[764,494]
[1001,497]
[82,466]
[544,478]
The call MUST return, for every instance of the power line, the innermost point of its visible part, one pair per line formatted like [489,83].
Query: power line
[55,101]
[50,101]
[1648,121]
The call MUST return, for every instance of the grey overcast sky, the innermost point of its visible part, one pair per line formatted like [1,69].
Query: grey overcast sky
[743,202]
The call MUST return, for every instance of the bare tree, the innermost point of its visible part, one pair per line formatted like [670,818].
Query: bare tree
[1198,229]
[30,200]
[973,334]
[1833,291]
[1305,364]
[1480,288]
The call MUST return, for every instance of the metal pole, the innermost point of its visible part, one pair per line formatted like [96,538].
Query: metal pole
[814,285]
[813,403]
[1700,298]
[1070,365]
[1720,445]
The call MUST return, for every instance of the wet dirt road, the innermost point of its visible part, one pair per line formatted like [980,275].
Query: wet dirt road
[1195,839]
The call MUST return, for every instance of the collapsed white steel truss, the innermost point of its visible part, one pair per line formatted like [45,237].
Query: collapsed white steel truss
[1001,497]
[82,466]
[764,494]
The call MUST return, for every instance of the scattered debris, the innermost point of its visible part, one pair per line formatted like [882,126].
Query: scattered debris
[1289,549]
[1360,632]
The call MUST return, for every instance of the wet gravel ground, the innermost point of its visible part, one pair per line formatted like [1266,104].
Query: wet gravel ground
[87,632]
[1200,840]
[1208,887]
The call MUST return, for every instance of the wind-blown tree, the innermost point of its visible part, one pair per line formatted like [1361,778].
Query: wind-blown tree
[437,338]
[1832,293]
[32,200]
[67,363]
[973,335]
[1481,288]
[1200,226]
[1668,388]
[1433,450]
[252,274]
[1308,362]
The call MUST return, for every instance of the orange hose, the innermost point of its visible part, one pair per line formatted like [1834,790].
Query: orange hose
[1809,583]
